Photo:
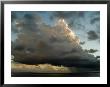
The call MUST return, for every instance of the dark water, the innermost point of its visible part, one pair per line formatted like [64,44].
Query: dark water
[28,74]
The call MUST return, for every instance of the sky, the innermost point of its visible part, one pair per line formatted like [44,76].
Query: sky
[85,24]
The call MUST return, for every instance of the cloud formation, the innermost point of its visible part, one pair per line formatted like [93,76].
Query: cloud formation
[73,18]
[91,50]
[38,42]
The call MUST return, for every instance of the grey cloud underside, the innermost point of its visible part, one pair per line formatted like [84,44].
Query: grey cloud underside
[38,43]
[91,50]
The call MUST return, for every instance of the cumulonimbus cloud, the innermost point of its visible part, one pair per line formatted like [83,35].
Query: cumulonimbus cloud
[38,43]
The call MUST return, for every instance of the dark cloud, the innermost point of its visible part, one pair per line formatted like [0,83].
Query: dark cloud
[91,50]
[82,43]
[68,59]
[59,61]
[92,35]
[38,43]
[46,38]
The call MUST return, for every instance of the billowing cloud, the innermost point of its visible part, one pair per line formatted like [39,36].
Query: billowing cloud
[73,18]
[38,43]
[92,35]
[56,38]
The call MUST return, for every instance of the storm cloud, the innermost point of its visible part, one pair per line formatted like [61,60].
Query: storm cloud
[38,42]
[73,18]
